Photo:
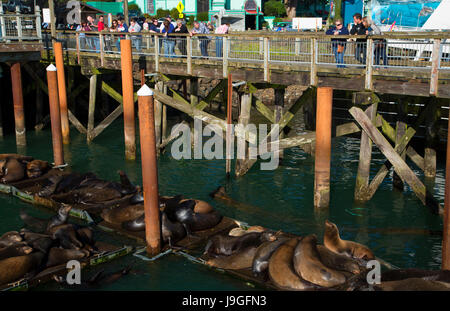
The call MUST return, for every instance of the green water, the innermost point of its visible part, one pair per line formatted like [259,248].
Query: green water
[281,199]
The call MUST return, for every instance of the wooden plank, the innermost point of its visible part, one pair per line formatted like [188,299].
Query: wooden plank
[365,156]
[216,90]
[400,131]
[384,170]
[107,121]
[76,123]
[263,109]
[402,169]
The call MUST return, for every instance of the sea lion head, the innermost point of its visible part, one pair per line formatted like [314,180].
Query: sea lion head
[331,228]
[36,168]
[268,236]
[64,210]
[219,192]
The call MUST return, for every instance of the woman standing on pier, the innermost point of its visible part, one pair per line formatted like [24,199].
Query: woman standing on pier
[181,41]
[338,45]
[223,30]
[169,43]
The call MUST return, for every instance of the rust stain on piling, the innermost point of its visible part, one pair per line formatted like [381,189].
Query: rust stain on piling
[57,48]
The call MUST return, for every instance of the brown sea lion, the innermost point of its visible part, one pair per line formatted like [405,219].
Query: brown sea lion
[60,218]
[15,250]
[261,260]
[58,256]
[14,268]
[337,261]
[119,215]
[12,170]
[200,206]
[37,168]
[413,284]
[10,238]
[67,236]
[172,232]
[281,270]
[241,260]
[240,231]
[228,245]
[333,242]
[308,265]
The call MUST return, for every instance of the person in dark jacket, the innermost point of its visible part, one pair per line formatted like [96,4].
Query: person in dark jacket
[181,41]
[359,29]
[338,45]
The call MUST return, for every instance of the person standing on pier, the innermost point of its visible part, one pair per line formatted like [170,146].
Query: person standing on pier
[338,45]
[181,41]
[380,51]
[223,30]
[169,43]
[200,28]
[121,27]
[359,29]
[134,28]
[93,24]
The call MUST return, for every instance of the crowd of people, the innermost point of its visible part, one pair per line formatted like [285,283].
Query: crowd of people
[361,27]
[169,28]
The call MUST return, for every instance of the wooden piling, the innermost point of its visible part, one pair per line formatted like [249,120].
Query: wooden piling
[400,130]
[57,48]
[323,147]
[91,112]
[431,136]
[128,99]
[244,118]
[19,116]
[55,115]
[229,134]
[446,231]
[149,170]
[279,105]
[194,90]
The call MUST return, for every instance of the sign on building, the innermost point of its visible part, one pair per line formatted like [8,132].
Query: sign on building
[46,16]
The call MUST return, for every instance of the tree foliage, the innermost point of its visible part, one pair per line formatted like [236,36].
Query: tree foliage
[274,8]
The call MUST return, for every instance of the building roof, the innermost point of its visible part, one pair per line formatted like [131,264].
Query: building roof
[108,7]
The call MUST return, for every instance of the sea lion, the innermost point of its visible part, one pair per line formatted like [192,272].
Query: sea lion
[333,242]
[10,238]
[135,225]
[184,213]
[402,274]
[67,236]
[12,170]
[172,232]
[37,168]
[237,261]
[42,244]
[86,235]
[228,245]
[60,218]
[240,231]
[337,261]
[308,265]
[281,271]
[413,284]
[119,215]
[14,268]
[58,256]
[15,250]
[200,206]
[101,279]
[265,250]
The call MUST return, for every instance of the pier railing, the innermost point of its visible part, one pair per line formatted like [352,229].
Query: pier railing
[424,53]
[20,27]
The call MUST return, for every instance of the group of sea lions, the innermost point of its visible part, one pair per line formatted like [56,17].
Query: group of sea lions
[291,263]
[16,167]
[179,217]
[52,242]
[87,188]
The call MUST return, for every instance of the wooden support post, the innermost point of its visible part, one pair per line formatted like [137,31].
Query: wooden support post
[313,71]
[446,231]
[242,146]
[278,113]
[55,115]
[102,50]
[1,122]
[157,115]
[434,79]
[365,156]
[369,65]
[91,113]
[164,123]
[323,147]
[194,90]
[57,49]
[189,54]
[149,170]
[266,60]
[402,169]
[431,136]
[225,56]
[128,99]
[400,130]
[297,46]
[229,132]
[19,115]
[156,53]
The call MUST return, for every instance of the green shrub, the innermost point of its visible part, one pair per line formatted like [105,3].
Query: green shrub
[277,20]
[274,8]
[202,16]
[190,20]
[174,14]
[161,13]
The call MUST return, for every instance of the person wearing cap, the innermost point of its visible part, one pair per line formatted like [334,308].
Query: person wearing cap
[338,45]
[200,28]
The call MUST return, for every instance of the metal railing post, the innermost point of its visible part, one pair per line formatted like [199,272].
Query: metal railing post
[266,59]
[19,24]
[156,53]
[225,56]
[297,46]
[369,65]
[37,11]
[435,58]
[261,46]
[189,54]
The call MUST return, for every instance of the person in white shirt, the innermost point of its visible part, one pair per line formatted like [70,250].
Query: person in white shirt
[135,28]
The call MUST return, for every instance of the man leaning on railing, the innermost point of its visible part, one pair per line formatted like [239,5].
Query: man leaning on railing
[338,45]
[359,29]
[200,28]
[135,28]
